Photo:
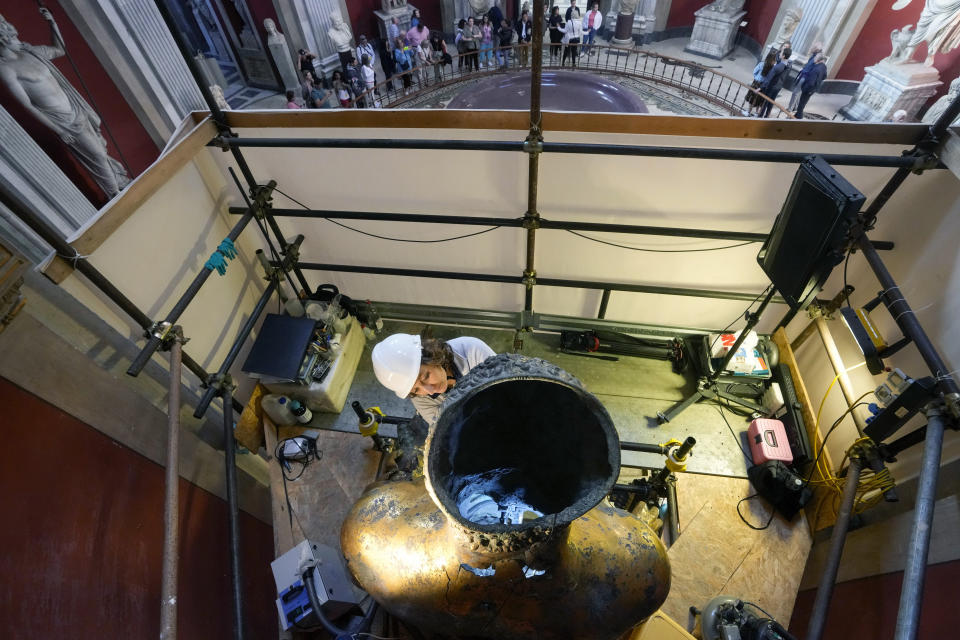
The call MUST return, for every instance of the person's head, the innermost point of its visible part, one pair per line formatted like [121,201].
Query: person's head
[289,96]
[470,21]
[461,24]
[365,60]
[415,14]
[394,20]
[816,48]
[420,26]
[353,60]
[337,76]
[555,11]
[786,54]
[899,116]
[9,37]
[307,76]
[573,3]
[525,16]
[820,59]
[486,20]
[411,366]
[595,6]
[363,40]
[505,23]
[399,43]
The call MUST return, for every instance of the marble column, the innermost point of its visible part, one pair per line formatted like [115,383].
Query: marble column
[27,171]
[135,47]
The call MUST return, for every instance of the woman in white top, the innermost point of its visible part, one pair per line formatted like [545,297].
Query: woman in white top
[572,33]
[424,370]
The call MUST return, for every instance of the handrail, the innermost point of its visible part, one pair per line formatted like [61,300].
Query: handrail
[717,88]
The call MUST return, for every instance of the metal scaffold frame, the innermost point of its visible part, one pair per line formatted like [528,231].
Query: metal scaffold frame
[168,335]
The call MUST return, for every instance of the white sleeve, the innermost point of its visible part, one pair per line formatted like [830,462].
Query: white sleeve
[473,350]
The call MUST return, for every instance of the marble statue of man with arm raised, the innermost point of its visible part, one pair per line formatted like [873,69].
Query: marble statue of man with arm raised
[39,86]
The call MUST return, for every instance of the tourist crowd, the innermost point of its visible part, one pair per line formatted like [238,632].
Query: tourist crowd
[771,73]
[488,41]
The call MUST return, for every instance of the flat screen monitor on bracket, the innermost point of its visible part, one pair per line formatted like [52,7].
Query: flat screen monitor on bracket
[809,236]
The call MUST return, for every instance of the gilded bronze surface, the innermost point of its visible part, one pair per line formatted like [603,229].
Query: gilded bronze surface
[523,437]
[603,573]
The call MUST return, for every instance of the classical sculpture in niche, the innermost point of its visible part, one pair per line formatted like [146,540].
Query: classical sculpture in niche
[39,86]
[791,20]
[938,26]
[933,113]
[339,33]
[627,7]
[900,44]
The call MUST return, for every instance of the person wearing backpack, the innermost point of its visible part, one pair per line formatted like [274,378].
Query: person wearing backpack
[773,82]
[812,83]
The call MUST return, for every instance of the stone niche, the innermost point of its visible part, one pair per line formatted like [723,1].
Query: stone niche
[888,87]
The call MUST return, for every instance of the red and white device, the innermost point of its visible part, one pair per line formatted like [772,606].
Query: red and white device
[768,441]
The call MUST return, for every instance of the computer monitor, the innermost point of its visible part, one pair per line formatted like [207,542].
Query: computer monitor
[809,236]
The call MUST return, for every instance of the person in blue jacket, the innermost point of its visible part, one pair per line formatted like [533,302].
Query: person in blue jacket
[773,82]
[812,83]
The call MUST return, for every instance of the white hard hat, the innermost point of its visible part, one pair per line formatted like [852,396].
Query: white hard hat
[396,362]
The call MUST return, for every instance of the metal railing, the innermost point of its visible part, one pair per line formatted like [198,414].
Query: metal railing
[693,80]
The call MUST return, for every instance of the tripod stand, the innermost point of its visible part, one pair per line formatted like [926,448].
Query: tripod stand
[707,386]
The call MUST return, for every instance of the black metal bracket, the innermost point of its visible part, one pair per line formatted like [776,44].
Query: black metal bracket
[221,382]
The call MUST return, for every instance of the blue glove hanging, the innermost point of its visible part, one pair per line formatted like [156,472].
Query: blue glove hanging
[227,249]
[217,263]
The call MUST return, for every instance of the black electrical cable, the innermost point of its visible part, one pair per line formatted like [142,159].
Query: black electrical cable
[310,454]
[738,318]
[735,436]
[752,526]
[823,443]
[331,628]
[757,607]
[373,235]
[846,262]
[623,246]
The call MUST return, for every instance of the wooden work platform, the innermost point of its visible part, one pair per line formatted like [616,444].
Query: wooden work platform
[716,553]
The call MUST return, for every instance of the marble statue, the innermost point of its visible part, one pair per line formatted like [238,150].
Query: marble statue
[791,20]
[479,7]
[901,50]
[933,113]
[938,26]
[341,37]
[39,86]
[277,44]
[627,7]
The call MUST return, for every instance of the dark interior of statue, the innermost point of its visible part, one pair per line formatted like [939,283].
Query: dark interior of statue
[542,441]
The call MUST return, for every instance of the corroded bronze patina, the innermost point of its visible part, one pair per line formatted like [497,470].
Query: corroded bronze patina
[518,431]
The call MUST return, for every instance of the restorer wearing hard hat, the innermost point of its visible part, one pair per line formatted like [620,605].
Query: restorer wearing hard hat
[425,369]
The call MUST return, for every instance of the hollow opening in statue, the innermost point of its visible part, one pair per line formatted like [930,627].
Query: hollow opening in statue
[521,450]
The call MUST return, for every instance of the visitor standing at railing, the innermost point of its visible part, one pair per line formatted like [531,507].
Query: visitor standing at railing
[422,61]
[754,99]
[773,82]
[417,34]
[364,48]
[458,40]
[524,35]
[812,82]
[471,42]
[795,96]
[402,63]
[340,88]
[507,37]
[573,7]
[486,43]
[572,33]
[415,18]
[369,80]
[355,79]
[393,32]
[591,24]
[439,55]
[556,32]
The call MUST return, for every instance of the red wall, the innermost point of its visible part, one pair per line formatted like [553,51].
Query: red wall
[760,17]
[867,608]
[681,12]
[136,145]
[83,537]
[873,44]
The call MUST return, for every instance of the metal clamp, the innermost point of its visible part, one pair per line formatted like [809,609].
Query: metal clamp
[166,332]
[221,382]
[533,143]
[529,279]
[221,140]
[531,220]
